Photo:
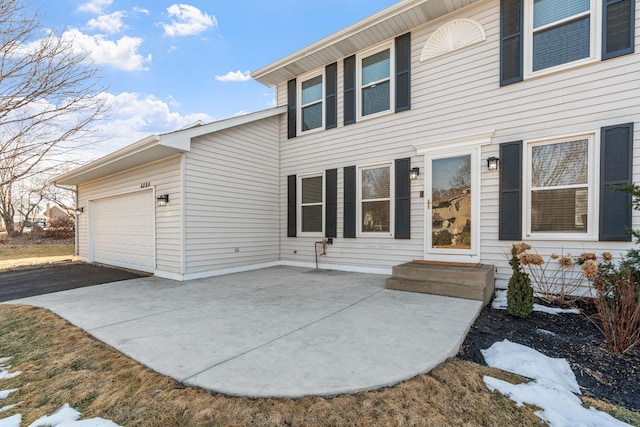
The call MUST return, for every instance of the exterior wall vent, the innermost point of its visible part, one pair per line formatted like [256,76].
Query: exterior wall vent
[452,36]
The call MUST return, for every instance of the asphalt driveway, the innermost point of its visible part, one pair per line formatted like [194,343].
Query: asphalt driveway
[281,331]
[55,278]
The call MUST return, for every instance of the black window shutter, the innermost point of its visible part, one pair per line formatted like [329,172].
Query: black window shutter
[403,199]
[616,165]
[510,216]
[618,22]
[403,72]
[331,98]
[292,222]
[350,201]
[511,41]
[349,91]
[331,214]
[292,110]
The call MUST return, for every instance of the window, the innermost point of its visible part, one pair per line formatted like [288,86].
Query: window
[541,36]
[374,76]
[375,199]
[560,178]
[561,32]
[311,111]
[311,204]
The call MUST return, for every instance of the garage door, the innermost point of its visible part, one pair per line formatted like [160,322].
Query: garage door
[122,231]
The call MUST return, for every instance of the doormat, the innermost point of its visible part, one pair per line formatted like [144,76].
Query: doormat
[448,264]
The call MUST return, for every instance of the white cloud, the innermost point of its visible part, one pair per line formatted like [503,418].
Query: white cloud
[122,53]
[133,116]
[95,6]
[188,20]
[235,76]
[110,24]
[172,49]
[141,10]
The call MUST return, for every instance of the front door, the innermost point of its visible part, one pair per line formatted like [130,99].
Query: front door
[452,217]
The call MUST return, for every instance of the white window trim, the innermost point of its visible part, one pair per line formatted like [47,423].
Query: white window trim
[392,80]
[594,49]
[593,189]
[392,197]
[300,204]
[301,80]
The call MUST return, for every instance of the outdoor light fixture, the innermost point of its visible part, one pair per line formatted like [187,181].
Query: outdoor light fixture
[415,173]
[79,210]
[162,200]
[492,163]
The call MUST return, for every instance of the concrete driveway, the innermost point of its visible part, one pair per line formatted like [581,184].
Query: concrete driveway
[281,332]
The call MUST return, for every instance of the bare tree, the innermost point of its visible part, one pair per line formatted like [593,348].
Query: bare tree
[48,98]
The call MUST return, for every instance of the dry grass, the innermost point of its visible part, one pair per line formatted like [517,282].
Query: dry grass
[17,253]
[62,364]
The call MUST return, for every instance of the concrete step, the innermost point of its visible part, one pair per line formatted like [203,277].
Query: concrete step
[444,273]
[476,283]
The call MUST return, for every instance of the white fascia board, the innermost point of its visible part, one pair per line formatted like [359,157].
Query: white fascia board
[181,139]
[140,146]
[379,19]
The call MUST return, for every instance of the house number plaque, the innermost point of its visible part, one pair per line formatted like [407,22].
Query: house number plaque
[145,185]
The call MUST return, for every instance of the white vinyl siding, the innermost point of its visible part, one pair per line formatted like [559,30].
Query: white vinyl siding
[164,178]
[453,96]
[232,209]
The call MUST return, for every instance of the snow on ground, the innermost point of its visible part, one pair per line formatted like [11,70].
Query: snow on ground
[65,416]
[552,388]
[500,303]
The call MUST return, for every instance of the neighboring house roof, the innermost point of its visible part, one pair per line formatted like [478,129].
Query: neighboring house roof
[56,211]
[392,21]
[155,147]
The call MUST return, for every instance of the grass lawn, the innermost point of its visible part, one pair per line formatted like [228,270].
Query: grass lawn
[63,364]
[19,253]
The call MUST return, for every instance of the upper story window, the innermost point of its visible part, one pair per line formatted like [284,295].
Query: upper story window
[560,179]
[543,36]
[375,199]
[375,71]
[311,204]
[561,32]
[311,96]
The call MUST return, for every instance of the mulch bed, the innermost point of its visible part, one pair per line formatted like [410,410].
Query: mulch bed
[601,374]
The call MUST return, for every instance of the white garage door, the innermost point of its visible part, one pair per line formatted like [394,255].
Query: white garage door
[122,231]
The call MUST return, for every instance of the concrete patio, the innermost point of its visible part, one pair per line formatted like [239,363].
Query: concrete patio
[281,332]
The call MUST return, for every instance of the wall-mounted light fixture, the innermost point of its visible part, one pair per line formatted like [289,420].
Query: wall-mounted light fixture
[492,163]
[79,210]
[162,200]
[414,174]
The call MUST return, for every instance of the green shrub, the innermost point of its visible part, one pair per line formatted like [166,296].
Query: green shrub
[520,291]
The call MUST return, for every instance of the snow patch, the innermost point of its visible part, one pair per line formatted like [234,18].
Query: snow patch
[8,407]
[66,416]
[552,388]
[500,303]
[13,421]
[5,393]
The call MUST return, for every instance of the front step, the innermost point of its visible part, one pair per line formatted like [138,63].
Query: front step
[469,282]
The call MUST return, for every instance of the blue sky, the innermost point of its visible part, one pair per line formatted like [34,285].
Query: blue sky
[165,64]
